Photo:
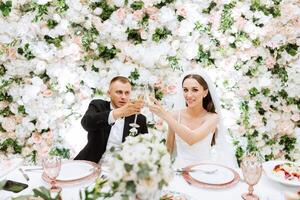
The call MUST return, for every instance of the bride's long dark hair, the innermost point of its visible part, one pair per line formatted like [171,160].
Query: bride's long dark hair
[207,103]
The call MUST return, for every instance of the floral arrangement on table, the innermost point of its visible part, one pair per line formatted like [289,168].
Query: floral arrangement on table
[140,169]
[55,55]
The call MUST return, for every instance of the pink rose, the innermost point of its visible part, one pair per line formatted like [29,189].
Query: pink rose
[295,117]
[151,10]
[11,53]
[9,124]
[47,93]
[138,15]
[159,124]
[121,14]
[172,89]
[48,135]
[182,11]
[270,62]
[36,138]
[3,104]
[240,23]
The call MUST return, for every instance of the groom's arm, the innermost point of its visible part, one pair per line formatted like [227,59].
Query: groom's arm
[96,116]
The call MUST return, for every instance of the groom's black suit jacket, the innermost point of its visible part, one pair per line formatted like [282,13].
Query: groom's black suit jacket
[95,121]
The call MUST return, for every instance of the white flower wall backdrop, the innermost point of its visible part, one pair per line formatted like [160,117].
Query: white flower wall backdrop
[56,55]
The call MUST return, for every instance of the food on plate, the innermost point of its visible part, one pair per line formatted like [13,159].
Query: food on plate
[288,171]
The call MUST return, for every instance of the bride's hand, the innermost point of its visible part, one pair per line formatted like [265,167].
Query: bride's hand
[156,108]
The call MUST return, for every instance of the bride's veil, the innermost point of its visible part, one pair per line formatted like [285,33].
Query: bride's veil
[222,151]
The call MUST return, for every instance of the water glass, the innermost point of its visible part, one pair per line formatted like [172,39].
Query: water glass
[52,166]
[252,170]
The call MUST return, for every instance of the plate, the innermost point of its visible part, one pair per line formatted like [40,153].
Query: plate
[75,172]
[219,175]
[225,181]
[268,169]
[173,195]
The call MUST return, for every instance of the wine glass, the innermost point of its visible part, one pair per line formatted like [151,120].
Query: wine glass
[149,92]
[252,169]
[51,166]
[137,94]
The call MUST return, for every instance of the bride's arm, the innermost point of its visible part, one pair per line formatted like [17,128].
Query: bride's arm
[192,136]
[189,136]
[170,140]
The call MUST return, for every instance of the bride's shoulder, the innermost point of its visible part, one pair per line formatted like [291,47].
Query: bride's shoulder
[212,116]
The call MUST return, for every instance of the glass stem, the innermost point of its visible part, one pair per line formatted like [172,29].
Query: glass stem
[250,189]
[135,116]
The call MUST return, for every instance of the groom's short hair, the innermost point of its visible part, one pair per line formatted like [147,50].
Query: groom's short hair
[122,79]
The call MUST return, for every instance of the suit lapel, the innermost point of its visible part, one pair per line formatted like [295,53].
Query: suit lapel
[128,120]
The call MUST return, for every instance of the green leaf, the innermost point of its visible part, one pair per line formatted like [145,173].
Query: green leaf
[5,8]
[161,33]
[137,5]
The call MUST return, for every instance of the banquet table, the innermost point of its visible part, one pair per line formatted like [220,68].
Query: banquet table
[266,188]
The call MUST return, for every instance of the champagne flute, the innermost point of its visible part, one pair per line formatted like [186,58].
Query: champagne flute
[149,91]
[252,170]
[137,95]
[51,166]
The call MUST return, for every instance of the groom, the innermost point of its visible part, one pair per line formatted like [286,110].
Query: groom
[107,122]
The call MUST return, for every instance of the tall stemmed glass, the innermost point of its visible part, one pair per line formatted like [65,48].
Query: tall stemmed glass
[137,94]
[51,166]
[252,169]
[149,92]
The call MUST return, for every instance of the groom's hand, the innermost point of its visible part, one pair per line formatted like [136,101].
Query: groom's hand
[128,109]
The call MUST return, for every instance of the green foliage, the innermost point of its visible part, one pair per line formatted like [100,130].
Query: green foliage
[26,52]
[134,75]
[32,156]
[60,6]
[107,53]
[253,92]
[60,151]
[5,8]
[2,70]
[159,95]
[107,10]
[203,28]
[257,6]
[161,33]
[244,107]
[96,191]
[290,48]
[173,62]
[5,112]
[163,3]
[204,57]
[134,35]
[288,143]
[88,37]
[239,153]
[226,18]
[280,72]
[259,108]
[145,20]
[265,91]
[9,142]
[256,42]
[209,8]
[137,5]
[56,40]
[51,23]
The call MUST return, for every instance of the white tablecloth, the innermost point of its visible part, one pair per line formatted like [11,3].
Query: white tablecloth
[266,189]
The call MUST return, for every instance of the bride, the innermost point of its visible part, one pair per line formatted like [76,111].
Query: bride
[196,128]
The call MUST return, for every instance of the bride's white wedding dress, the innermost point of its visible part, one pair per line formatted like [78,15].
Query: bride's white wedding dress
[192,154]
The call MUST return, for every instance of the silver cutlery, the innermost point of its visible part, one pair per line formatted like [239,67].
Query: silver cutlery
[23,173]
[197,170]
[33,169]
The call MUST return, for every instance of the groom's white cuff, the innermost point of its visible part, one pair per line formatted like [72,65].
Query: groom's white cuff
[111,119]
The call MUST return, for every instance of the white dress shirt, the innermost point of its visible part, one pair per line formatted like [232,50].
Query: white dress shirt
[116,131]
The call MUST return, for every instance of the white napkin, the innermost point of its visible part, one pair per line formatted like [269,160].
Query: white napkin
[7,166]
